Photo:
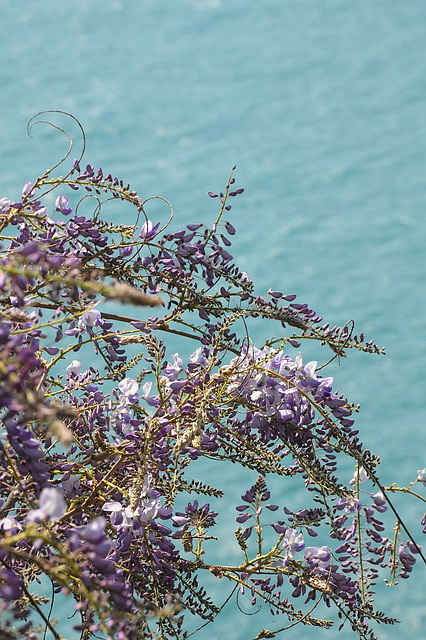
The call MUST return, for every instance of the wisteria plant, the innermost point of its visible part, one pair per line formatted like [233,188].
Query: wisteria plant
[102,424]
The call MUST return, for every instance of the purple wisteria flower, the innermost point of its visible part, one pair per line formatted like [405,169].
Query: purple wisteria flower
[195,517]
[73,369]
[359,476]
[61,205]
[318,557]
[127,393]
[421,476]
[51,506]
[379,500]
[9,524]
[123,517]
[28,190]
[149,230]
[350,503]
[89,319]
[147,509]
[97,460]
[293,542]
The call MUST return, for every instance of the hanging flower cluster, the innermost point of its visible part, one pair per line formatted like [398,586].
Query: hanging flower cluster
[101,421]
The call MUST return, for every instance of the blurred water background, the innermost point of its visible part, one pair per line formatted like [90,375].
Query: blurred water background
[322,105]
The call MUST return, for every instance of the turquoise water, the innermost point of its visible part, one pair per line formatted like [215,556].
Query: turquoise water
[322,105]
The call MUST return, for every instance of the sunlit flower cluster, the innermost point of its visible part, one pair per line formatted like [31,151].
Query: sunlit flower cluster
[102,417]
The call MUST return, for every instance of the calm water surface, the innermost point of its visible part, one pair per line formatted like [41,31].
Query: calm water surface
[322,105]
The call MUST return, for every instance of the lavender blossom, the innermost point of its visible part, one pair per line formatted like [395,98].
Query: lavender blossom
[51,506]
[293,542]
[421,476]
[96,463]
